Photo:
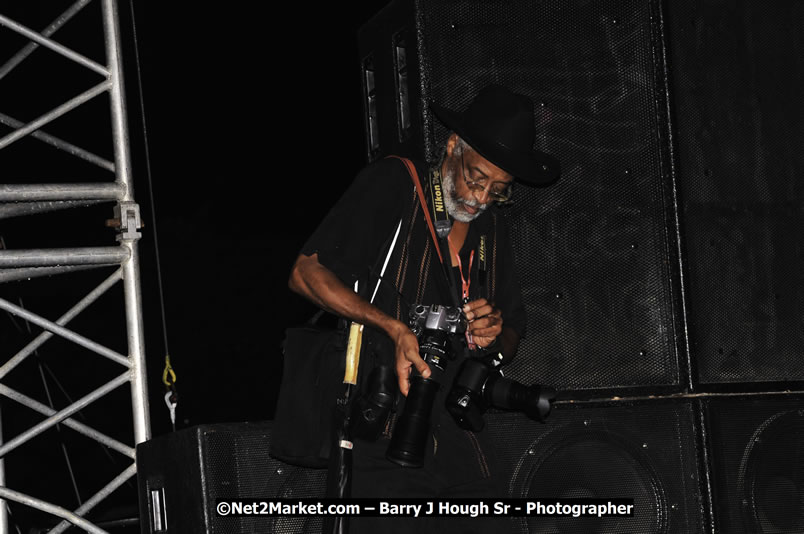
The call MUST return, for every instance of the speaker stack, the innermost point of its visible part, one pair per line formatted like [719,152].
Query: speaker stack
[663,275]
[182,475]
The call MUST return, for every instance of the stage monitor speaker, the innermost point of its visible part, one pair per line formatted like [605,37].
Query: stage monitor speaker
[595,252]
[646,452]
[181,475]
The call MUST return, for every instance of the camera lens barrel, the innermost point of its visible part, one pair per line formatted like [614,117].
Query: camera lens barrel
[535,401]
[410,433]
[465,401]
[409,438]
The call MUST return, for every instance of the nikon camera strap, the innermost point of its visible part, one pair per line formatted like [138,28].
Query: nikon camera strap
[440,230]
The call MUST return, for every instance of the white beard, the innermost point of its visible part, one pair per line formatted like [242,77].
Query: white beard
[454,202]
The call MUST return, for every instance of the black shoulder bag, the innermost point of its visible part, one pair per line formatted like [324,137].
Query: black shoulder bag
[312,379]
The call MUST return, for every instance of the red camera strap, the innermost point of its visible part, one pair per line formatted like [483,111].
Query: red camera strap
[415,177]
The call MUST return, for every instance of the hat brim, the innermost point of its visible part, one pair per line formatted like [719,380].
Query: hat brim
[534,167]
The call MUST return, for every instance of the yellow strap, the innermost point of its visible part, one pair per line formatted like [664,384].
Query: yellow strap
[353,353]
[168,376]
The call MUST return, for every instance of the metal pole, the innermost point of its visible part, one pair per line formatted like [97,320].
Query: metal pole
[27,273]
[55,257]
[51,509]
[131,275]
[33,192]
[32,208]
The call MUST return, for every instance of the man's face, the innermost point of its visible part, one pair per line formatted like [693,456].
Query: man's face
[468,180]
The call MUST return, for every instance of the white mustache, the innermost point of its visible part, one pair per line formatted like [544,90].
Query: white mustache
[473,203]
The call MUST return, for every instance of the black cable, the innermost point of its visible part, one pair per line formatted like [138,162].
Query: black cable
[150,180]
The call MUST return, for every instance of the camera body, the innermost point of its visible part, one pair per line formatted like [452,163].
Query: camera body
[433,326]
[478,385]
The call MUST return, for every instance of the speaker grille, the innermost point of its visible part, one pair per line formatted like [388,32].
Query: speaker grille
[591,251]
[737,77]
[239,466]
[758,471]
[606,452]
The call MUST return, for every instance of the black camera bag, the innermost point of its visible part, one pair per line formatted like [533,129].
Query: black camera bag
[312,378]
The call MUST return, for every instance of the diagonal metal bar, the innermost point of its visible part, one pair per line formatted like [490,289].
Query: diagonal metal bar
[53,509]
[63,414]
[60,144]
[54,114]
[28,49]
[63,256]
[64,332]
[85,191]
[73,312]
[53,45]
[81,428]
[98,497]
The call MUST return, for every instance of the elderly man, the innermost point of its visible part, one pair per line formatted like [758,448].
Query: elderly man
[462,259]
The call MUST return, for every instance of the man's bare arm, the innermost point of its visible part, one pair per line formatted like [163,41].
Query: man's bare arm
[321,286]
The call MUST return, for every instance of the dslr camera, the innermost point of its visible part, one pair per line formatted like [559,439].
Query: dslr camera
[478,385]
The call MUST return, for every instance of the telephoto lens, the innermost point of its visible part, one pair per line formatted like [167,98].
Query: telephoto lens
[480,385]
[535,401]
[409,438]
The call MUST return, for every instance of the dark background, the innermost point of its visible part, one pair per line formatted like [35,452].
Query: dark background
[254,127]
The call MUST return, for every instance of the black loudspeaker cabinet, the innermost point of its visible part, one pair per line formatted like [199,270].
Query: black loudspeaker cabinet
[673,161]
[641,451]
[595,253]
[756,444]
[181,475]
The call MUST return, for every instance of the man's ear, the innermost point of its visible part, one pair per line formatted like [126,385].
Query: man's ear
[452,142]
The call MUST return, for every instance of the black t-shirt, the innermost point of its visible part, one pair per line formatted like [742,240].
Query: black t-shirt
[354,237]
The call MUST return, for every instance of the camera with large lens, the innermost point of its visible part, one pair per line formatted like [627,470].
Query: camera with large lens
[433,326]
[480,385]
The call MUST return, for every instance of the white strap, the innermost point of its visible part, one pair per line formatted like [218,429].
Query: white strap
[387,259]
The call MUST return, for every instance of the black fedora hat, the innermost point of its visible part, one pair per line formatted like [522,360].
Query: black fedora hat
[499,125]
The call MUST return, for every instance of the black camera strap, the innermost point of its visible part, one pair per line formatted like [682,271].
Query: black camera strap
[482,265]
[443,226]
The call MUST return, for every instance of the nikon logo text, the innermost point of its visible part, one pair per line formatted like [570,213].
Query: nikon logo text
[439,200]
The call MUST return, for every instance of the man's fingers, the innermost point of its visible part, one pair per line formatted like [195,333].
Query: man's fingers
[491,331]
[479,308]
[404,366]
[423,368]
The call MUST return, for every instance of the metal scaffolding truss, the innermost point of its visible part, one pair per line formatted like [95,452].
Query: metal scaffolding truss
[17,199]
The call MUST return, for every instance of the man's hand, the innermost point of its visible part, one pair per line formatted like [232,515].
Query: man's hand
[407,356]
[485,321]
